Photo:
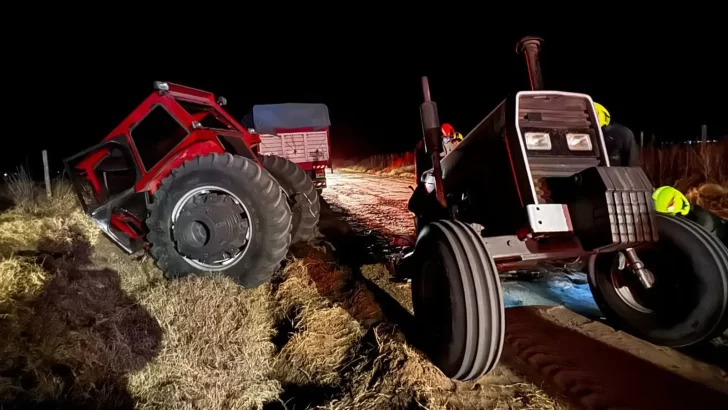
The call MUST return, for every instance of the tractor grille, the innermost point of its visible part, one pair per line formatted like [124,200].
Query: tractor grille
[557,115]
[553,111]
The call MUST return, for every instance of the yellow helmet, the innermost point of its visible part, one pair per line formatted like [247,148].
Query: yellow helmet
[669,200]
[602,114]
[458,136]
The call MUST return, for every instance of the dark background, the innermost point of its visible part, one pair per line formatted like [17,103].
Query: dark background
[77,83]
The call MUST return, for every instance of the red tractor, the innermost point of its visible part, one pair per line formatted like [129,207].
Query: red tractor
[183,179]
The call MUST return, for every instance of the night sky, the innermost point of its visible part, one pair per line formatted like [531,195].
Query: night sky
[81,86]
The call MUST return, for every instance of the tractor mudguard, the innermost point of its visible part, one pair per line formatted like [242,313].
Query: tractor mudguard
[151,182]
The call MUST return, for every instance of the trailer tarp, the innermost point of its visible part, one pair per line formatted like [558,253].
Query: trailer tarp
[267,118]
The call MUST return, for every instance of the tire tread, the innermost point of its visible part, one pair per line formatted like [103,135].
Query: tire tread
[276,217]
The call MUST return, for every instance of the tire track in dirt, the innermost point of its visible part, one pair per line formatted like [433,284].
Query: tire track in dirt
[378,202]
[594,374]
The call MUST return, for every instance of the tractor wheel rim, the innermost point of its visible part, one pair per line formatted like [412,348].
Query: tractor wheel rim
[205,190]
[627,286]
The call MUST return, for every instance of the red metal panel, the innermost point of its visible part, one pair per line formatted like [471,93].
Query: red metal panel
[309,166]
[194,146]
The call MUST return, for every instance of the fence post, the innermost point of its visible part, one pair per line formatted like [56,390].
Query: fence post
[704,133]
[642,139]
[46,173]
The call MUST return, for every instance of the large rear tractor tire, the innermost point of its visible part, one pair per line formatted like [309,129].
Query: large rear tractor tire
[303,197]
[458,300]
[220,213]
[688,301]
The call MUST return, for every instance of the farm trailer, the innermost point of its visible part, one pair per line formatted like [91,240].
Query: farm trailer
[297,132]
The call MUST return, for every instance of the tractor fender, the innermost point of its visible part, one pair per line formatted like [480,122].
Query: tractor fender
[150,182]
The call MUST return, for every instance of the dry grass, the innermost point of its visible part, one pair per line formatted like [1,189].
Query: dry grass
[82,324]
[216,352]
[687,166]
[699,171]
[391,165]
[712,197]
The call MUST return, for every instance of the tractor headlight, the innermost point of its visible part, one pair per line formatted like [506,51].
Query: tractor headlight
[579,142]
[538,141]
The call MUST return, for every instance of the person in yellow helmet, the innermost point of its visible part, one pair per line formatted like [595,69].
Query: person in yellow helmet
[620,141]
[670,201]
[457,139]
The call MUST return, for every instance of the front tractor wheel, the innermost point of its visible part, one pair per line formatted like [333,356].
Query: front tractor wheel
[458,300]
[688,300]
[220,213]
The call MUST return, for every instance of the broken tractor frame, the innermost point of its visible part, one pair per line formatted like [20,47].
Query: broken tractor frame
[532,183]
[181,178]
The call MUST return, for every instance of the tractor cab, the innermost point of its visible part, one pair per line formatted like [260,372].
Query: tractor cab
[115,178]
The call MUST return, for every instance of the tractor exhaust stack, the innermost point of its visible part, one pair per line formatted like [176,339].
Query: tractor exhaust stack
[433,138]
[530,47]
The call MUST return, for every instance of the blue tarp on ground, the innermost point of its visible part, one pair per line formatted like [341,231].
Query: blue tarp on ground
[554,289]
[266,118]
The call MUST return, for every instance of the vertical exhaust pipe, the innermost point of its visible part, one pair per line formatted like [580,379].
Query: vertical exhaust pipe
[530,46]
[433,138]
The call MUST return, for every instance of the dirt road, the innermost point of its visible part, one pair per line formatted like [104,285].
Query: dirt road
[593,365]
[380,203]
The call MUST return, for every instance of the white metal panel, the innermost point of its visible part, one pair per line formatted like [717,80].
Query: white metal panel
[317,145]
[271,144]
[297,146]
[294,147]
[549,218]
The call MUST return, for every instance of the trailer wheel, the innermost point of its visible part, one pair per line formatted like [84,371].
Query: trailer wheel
[458,300]
[304,198]
[223,214]
[687,303]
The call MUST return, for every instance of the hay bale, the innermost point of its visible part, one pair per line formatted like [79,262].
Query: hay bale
[324,330]
[217,351]
[297,289]
[320,347]
[361,305]
[326,277]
